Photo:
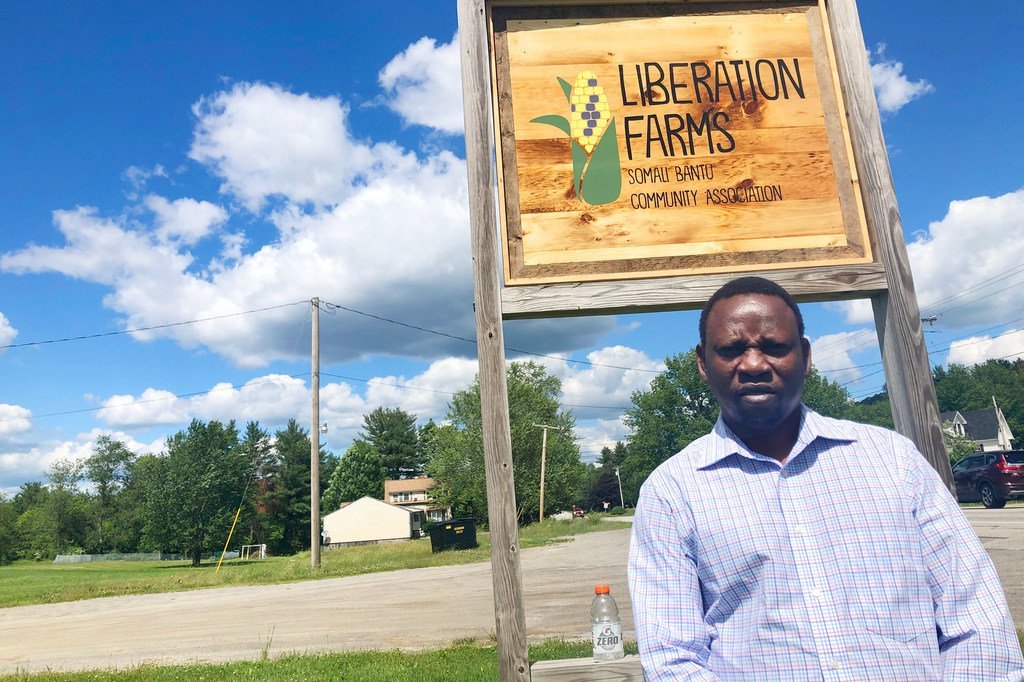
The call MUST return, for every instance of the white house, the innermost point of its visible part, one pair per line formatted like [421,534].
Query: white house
[368,520]
[988,428]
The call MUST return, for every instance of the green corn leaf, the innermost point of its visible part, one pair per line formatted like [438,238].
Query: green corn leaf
[566,88]
[602,180]
[579,160]
[560,122]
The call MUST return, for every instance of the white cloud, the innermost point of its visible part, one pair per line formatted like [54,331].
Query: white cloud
[138,176]
[7,332]
[959,263]
[264,141]
[599,433]
[393,241]
[604,384]
[978,349]
[962,255]
[274,398]
[14,419]
[29,463]
[423,85]
[184,220]
[831,353]
[892,88]
[425,395]
[152,407]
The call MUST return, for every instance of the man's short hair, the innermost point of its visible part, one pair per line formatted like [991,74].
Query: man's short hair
[748,285]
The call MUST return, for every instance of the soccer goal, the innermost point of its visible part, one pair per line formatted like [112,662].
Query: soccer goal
[253,552]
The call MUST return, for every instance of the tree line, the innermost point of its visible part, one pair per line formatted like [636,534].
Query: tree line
[184,500]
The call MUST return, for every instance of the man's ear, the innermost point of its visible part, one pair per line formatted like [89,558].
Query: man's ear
[806,345]
[701,370]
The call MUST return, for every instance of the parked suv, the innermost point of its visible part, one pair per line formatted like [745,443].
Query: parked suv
[990,477]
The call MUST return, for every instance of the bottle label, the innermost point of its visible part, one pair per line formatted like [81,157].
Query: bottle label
[607,637]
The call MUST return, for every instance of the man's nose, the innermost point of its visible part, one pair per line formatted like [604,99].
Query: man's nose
[754,364]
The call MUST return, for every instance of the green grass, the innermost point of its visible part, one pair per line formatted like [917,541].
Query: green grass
[28,582]
[461,662]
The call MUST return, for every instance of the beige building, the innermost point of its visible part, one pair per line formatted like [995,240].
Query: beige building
[414,493]
[368,520]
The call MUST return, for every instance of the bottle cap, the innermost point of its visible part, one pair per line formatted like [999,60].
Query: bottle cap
[602,589]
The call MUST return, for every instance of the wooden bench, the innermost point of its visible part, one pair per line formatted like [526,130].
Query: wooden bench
[587,670]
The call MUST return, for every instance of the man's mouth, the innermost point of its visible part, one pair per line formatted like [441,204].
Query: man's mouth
[756,395]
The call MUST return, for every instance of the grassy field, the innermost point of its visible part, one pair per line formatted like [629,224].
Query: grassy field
[459,663]
[29,582]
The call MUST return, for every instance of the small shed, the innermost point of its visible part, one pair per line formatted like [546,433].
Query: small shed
[368,520]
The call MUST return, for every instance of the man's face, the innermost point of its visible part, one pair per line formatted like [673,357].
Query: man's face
[754,361]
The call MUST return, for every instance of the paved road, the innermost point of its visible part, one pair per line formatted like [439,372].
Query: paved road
[410,609]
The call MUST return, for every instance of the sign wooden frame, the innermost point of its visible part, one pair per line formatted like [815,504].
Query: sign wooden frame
[885,278]
[710,157]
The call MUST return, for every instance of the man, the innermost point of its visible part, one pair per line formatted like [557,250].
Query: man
[786,545]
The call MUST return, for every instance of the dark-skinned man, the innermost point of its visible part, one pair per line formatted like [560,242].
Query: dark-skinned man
[785,545]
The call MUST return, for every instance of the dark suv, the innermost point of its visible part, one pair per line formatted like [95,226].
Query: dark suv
[990,477]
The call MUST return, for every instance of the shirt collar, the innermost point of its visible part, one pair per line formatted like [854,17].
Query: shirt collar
[722,442]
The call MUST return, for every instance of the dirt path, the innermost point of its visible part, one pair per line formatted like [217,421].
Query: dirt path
[411,609]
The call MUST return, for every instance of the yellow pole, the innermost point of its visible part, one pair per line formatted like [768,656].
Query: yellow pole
[228,541]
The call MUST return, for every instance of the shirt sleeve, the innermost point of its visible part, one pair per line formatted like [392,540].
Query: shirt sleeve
[668,612]
[976,636]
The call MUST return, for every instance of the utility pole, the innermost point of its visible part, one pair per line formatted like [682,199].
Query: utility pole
[622,500]
[543,461]
[314,443]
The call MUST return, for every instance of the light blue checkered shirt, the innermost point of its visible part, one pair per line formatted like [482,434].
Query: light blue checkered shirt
[849,562]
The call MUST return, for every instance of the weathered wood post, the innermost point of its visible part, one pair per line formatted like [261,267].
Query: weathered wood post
[509,607]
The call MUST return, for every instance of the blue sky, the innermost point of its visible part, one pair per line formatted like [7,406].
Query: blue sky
[160,165]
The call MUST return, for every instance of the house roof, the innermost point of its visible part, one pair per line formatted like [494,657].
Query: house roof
[979,424]
[352,507]
[408,485]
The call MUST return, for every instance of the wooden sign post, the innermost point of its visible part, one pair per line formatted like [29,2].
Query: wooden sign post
[646,153]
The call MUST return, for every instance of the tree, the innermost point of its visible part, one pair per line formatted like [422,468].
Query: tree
[392,432]
[257,447]
[194,489]
[288,497]
[360,472]
[676,410]
[66,506]
[605,487]
[456,450]
[826,397]
[107,469]
[8,531]
[957,446]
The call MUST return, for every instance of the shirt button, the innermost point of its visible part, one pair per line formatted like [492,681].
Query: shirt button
[801,530]
[817,593]
[834,664]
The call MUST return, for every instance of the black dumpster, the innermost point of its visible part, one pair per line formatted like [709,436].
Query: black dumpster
[453,534]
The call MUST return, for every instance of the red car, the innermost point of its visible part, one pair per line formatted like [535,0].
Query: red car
[990,477]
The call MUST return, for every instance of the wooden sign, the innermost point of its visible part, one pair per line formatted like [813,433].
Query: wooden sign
[654,140]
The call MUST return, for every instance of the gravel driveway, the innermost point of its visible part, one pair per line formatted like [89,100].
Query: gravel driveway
[411,609]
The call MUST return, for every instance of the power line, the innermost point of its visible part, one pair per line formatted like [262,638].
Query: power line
[474,342]
[146,329]
[151,400]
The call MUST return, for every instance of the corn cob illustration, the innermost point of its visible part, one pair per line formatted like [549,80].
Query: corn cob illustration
[596,171]
[588,111]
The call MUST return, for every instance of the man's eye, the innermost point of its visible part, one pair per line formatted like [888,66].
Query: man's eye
[775,349]
[731,352]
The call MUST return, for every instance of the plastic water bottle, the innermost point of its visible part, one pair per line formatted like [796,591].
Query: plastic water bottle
[605,625]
